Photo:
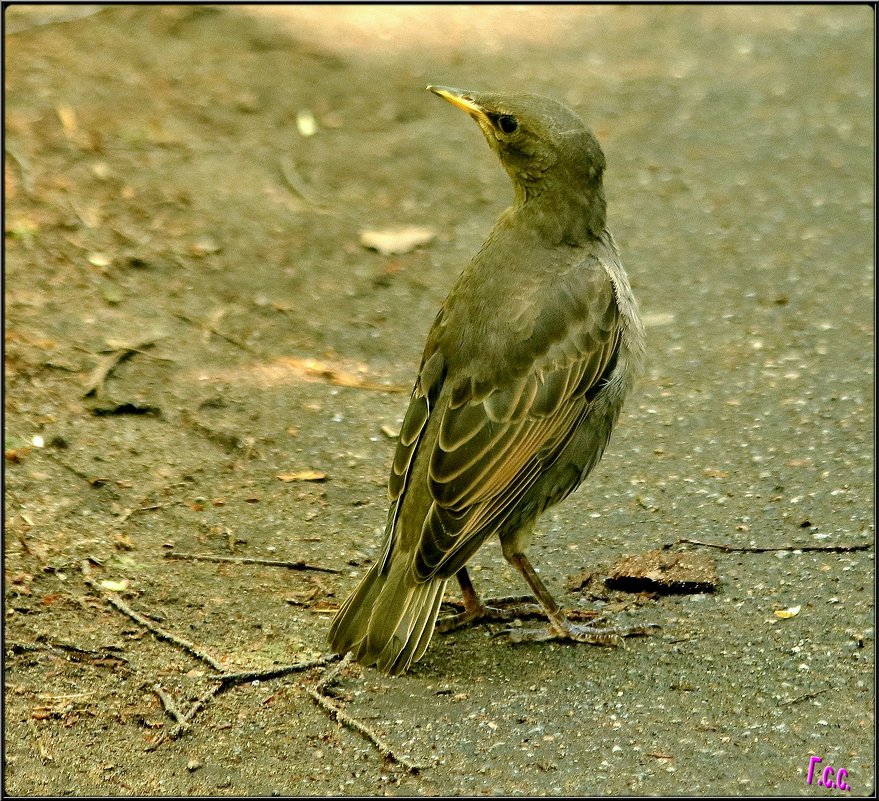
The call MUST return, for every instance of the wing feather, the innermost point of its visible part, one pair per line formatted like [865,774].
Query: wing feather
[502,426]
[491,451]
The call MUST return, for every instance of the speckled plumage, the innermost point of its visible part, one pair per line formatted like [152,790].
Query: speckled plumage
[523,376]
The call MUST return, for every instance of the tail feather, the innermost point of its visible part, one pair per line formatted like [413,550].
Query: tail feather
[352,620]
[419,619]
[388,620]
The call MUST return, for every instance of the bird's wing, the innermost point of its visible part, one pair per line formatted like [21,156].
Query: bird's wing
[492,446]
[421,403]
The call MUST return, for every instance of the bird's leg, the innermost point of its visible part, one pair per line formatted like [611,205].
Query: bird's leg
[473,606]
[475,610]
[560,627]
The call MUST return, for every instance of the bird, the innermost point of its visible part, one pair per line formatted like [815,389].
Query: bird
[522,379]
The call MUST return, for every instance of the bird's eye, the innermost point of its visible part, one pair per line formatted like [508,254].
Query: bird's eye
[507,124]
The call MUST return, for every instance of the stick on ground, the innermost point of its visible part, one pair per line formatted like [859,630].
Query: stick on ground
[224,679]
[858,546]
[184,724]
[803,697]
[341,717]
[108,363]
[158,631]
[246,560]
[168,704]
[273,672]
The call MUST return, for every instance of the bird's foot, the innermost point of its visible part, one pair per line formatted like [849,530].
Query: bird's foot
[591,634]
[491,611]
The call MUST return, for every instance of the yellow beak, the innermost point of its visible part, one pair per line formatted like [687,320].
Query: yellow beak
[460,99]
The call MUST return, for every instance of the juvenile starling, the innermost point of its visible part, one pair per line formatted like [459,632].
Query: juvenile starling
[522,379]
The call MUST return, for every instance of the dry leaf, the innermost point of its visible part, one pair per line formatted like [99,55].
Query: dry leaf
[784,614]
[315,369]
[303,475]
[205,246]
[16,455]
[660,571]
[99,259]
[115,586]
[283,370]
[394,241]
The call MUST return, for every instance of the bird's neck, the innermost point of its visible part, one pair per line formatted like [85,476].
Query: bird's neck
[566,214]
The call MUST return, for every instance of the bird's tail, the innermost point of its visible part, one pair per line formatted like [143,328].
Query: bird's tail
[389,619]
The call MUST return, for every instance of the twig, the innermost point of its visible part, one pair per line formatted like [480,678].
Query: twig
[273,672]
[75,650]
[212,330]
[803,697]
[201,702]
[108,363]
[184,724]
[151,508]
[64,696]
[168,703]
[93,481]
[341,717]
[858,546]
[331,675]
[143,506]
[227,440]
[246,560]
[224,680]
[159,632]
[335,374]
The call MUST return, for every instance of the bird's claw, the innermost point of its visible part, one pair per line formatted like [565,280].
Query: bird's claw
[493,611]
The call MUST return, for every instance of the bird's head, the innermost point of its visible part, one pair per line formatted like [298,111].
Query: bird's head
[554,161]
[538,140]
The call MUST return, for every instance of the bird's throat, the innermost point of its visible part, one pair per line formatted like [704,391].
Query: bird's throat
[570,215]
